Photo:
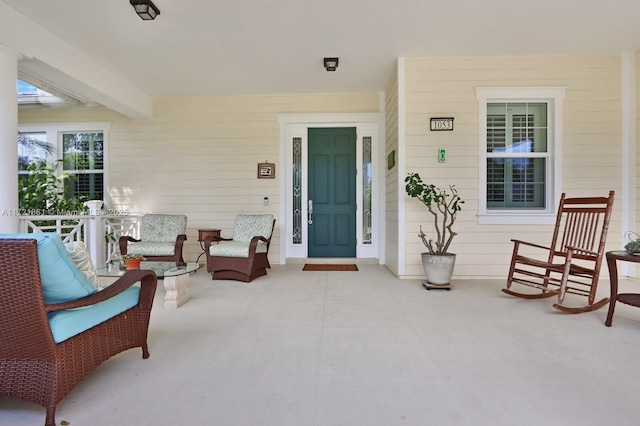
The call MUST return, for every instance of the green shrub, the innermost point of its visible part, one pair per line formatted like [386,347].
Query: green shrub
[42,192]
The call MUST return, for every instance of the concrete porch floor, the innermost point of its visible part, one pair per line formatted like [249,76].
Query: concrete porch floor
[362,348]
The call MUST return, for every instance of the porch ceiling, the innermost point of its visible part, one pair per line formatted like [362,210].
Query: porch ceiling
[204,47]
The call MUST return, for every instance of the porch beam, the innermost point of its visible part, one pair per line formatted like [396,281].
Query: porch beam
[55,63]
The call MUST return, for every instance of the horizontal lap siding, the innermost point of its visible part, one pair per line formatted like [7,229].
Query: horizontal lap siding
[391,176]
[199,155]
[446,88]
[637,152]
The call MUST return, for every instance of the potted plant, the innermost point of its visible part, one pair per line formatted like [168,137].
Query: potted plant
[132,261]
[438,263]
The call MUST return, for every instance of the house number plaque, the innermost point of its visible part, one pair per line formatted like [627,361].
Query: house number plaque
[439,124]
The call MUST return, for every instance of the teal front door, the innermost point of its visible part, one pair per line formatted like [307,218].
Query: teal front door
[332,192]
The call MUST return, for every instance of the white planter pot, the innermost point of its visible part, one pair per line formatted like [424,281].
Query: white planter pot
[438,268]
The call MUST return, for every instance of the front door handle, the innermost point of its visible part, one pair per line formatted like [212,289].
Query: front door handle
[310,212]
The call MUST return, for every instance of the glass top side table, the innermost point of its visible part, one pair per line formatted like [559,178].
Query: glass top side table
[175,277]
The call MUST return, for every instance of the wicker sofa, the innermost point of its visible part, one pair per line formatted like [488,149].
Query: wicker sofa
[161,238]
[54,327]
[243,257]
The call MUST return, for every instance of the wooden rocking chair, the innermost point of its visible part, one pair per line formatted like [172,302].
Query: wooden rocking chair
[574,258]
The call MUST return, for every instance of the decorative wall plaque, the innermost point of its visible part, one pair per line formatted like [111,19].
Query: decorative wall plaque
[266,170]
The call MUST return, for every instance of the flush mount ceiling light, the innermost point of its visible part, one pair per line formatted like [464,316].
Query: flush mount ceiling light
[331,64]
[145,9]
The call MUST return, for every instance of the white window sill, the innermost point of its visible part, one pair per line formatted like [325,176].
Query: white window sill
[509,218]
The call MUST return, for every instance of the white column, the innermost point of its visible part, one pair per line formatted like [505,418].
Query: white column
[8,140]
[95,230]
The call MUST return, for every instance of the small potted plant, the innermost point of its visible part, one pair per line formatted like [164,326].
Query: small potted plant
[132,261]
[438,263]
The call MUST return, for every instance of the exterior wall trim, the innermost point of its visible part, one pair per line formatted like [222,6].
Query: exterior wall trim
[300,123]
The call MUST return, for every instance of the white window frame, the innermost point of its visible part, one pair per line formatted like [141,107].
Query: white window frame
[553,97]
[54,132]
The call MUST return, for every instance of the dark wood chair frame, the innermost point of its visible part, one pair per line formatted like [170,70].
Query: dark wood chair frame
[239,268]
[35,368]
[574,257]
[177,254]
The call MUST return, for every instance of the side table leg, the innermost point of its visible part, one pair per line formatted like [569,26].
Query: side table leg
[204,251]
[613,278]
[612,307]
[177,291]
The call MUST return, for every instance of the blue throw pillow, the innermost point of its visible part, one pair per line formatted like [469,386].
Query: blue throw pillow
[61,279]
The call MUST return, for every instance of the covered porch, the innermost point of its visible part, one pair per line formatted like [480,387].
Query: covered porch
[173,150]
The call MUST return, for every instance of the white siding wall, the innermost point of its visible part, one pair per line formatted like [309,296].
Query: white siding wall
[199,156]
[391,176]
[446,88]
[634,270]
[637,162]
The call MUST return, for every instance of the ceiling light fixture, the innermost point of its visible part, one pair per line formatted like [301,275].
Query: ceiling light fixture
[331,64]
[145,9]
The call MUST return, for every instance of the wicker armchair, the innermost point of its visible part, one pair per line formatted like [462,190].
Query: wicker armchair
[243,257]
[33,366]
[161,238]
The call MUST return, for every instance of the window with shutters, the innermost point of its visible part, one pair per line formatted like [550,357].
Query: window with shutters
[80,148]
[520,151]
[83,162]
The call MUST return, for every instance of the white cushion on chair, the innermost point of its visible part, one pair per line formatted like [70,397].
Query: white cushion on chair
[162,228]
[235,249]
[151,248]
[248,226]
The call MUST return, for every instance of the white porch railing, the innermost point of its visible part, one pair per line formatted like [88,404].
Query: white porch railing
[116,227]
[98,230]
[70,228]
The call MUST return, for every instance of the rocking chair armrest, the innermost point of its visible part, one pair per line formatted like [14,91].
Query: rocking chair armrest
[590,253]
[148,283]
[518,242]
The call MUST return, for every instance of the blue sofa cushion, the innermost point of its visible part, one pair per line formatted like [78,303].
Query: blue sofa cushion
[61,279]
[68,323]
